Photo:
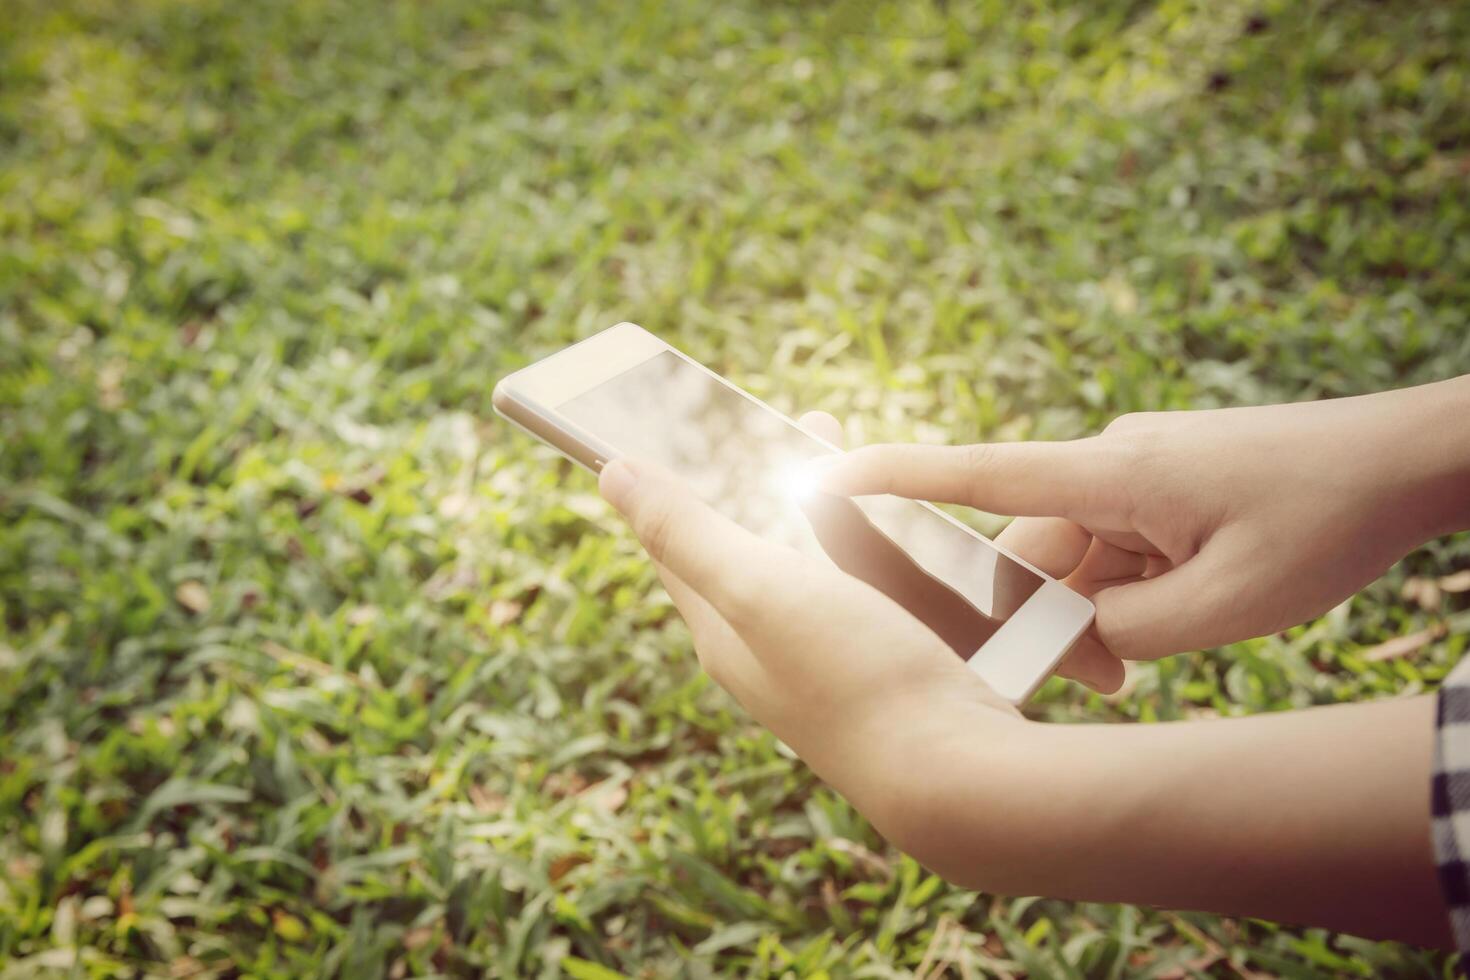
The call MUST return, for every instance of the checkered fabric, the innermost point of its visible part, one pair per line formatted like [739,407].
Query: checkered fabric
[1450,800]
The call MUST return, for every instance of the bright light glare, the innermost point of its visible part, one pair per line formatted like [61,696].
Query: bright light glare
[796,481]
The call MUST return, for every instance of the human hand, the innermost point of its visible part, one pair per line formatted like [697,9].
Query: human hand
[1196,529]
[1309,816]
[866,694]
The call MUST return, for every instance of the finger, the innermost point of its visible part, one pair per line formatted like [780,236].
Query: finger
[1083,480]
[1157,565]
[1091,663]
[722,654]
[1131,540]
[1186,608]
[1053,544]
[704,622]
[1106,563]
[717,558]
[823,426]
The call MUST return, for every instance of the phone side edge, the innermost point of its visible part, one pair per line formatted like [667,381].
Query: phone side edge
[1053,620]
[540,424]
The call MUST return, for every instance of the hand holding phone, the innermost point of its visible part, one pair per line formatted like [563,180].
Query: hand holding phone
[624,392]
[859,688]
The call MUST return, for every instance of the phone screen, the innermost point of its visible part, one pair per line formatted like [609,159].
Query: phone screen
[747,461]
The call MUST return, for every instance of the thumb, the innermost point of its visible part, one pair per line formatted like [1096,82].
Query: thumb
[1189,607]
[1082,480]
[711,553]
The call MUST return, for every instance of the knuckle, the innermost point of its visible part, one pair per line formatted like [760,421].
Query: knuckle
[1136,442]
[977,456]
[976,463]
[1138,438]
[1128,450]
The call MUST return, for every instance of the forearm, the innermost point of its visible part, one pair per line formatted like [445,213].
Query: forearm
[1318,816]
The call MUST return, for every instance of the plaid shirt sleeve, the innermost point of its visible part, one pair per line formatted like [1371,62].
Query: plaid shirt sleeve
[1450,800]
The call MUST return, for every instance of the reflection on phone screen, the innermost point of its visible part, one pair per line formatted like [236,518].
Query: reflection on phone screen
[748,462]
[860,549]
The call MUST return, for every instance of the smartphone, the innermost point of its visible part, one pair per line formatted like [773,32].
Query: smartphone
[624,392]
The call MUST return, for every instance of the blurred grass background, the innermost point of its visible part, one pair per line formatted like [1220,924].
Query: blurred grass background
[310,666]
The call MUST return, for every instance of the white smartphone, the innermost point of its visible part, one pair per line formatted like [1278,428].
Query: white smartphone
[624,392]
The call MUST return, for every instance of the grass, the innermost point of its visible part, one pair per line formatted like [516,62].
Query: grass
[309,666]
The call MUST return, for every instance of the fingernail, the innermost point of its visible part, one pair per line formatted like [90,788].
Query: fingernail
[616,483]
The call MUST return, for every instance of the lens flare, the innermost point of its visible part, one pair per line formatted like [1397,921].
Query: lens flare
[796,481]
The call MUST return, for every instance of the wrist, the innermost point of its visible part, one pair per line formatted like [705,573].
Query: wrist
[1418,451]
[982,803]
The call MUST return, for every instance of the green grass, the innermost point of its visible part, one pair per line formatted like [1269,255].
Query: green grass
[310,666]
